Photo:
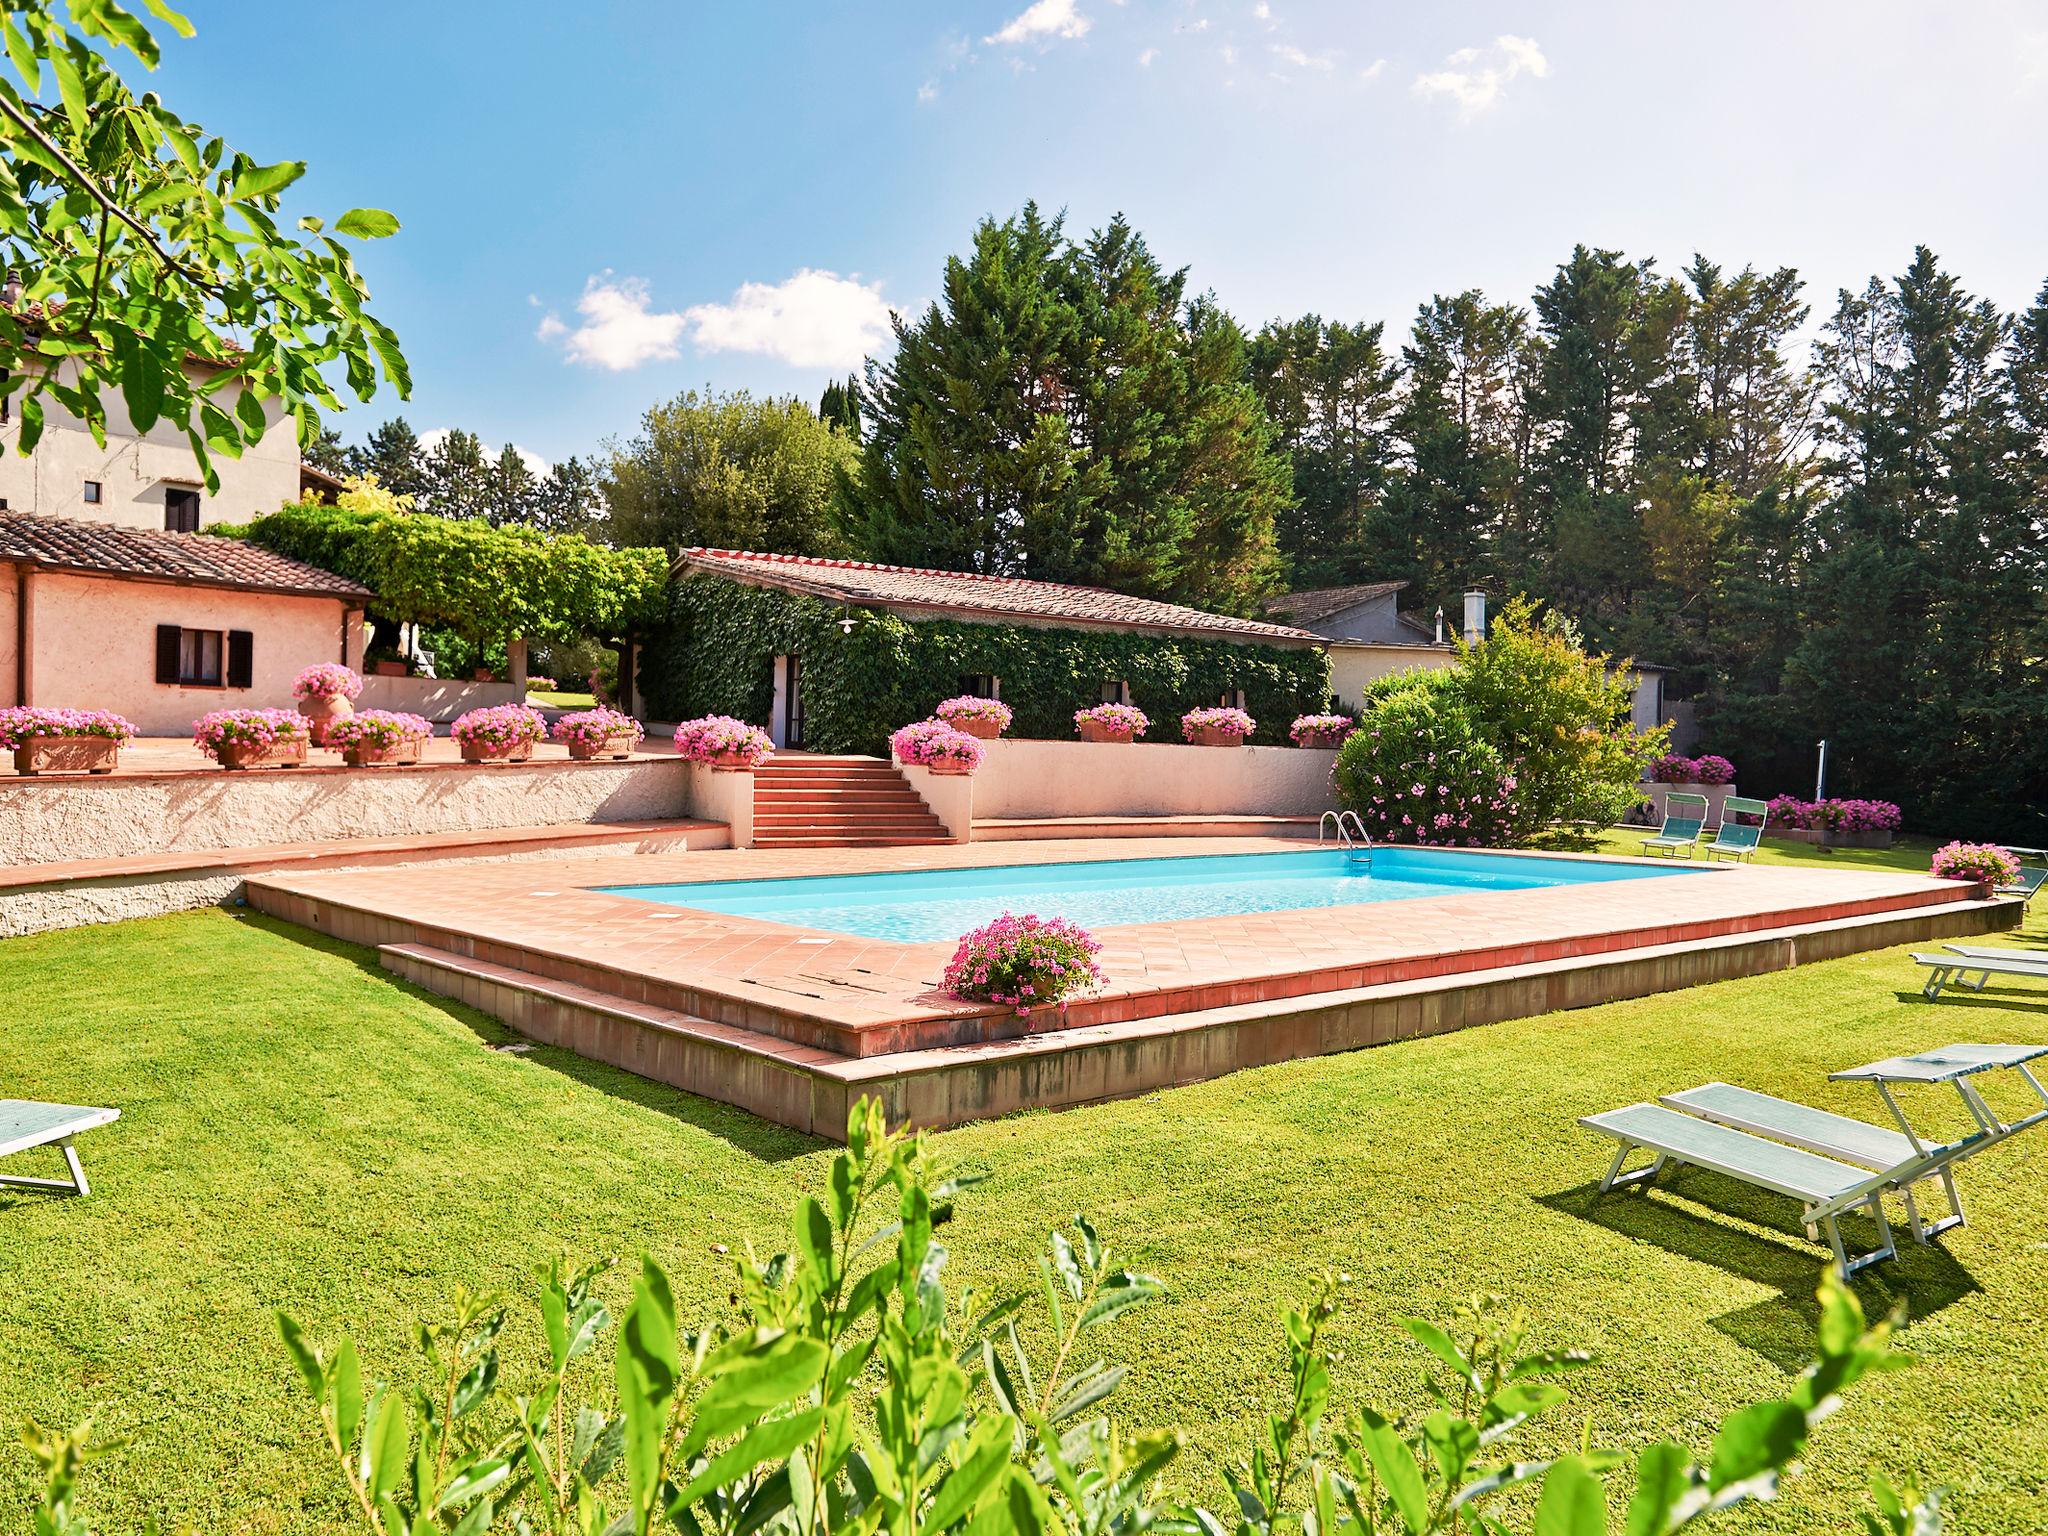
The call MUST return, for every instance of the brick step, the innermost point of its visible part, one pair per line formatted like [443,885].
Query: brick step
[919,821]
[824,781]
[878,795]
[849,840]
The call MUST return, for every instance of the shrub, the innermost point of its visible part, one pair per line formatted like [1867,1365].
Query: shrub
[18,722]
[1231,722]
[1117,717]
[1024,963]
[540,684]
[327,680]
[501,725]
[1671,768]
[249,727]
[969,707]
[705,740]
[1983,862]
[928,743]
[592,728]
[1417,772]
[1834,815]
[1320,730]
[378,728]
[1713,769]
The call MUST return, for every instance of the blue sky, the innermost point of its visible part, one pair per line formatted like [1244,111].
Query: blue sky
[604,204]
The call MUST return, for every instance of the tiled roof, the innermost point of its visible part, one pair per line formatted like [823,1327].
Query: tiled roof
[966,593]
[59,543]
[1319,603]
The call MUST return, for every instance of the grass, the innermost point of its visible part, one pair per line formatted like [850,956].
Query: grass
[559,700]
[299,1131]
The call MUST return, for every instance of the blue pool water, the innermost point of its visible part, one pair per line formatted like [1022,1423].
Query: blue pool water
[917,905]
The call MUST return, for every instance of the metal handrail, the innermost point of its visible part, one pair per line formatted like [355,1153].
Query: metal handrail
[1350,832]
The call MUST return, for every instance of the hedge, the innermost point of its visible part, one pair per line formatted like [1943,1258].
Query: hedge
[716,656]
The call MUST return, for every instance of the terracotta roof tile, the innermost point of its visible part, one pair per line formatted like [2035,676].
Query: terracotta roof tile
[59,543]
[973,595]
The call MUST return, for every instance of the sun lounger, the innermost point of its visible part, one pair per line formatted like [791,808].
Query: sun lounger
[1685,817]
[1738,840]
[1953,968]
[24,1123]
[2027,887]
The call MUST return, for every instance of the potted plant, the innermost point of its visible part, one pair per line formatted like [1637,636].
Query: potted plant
[1985,865]
[1217,727]
[1320,730]
[63,740]
[1711,777]
[935,745]
[1834,823]
[483,675]
[985,718]
[1111,722]
[503,733]
[253,738]
[379,738]
[1024,963]
[598,733]
[728,745]
[325,693]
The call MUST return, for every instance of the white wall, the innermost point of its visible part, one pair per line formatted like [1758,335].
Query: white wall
[1083,778]
[437,698]
[7,634]
[1353,666]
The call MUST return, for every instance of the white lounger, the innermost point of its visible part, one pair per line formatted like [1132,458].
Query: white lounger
[1951,968]
[24,1123]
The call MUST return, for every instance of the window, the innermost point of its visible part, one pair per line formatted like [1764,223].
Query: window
[1110,693]
[92,491]
[1234,699]
[981,685]
[181,511]
[205,658]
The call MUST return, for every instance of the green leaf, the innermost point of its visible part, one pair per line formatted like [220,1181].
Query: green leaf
[264,180]
[23,57]
[71,89]
[1439,1343]
[250,411]
[383,1459]
[1399,1474]
[174,19]
[984,1459]
[346,1380]
[785,1370]
[1760,1438]
[1573,1502]
[814,1241]
[385,344]
[1663,1480]
[1452,1443]
[1120,1292]
[304,1356]
[366,224]
[764,1442]
[649,1370]
[1086,1390]
[142,384]
[1068,1265]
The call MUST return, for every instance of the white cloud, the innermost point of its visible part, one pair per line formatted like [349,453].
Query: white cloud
[811,320]
[1148,58]
[1227,54]
[1262,11]
[1043,21]
[619,330]
[1477,79]
[929,91]
[1373,70]
[1287,53]
[539,467]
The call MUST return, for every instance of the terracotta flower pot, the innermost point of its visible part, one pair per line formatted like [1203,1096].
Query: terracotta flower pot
[323,714]
[732,762]
[67,754]
[497,751]
[484,675]
[953,769]
[1096,730]
[389,668]
[987,730]
[617,745]
[1325,739]
[367,754]
[238,755]
[1211,736]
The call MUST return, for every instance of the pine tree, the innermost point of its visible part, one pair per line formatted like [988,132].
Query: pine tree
[392,453]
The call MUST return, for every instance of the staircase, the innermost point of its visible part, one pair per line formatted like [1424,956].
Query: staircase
[806,801]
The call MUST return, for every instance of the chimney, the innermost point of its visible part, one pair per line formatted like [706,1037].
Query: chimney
[11,294]
[1475,617]
[1439,623]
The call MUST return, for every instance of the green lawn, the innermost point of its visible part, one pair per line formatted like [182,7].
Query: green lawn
[561,700]
[299,1131]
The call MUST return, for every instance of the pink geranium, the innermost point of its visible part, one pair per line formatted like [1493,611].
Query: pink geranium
[1122,718]
[970,707]
[264,728]
[501,725]
[1024,962]
[592,728]
[20,721]
[378,729]
[327,680]
[929,743]
[1320,730]
[1231,722]
[707,739]
[1985,863]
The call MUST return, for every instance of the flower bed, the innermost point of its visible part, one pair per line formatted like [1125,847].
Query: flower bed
[1712,769]
[63,740]
[724,742]
[1834,823]
[1320,730]
[594,733]
[1111,722]
[1024,963]
[502,733]
[253,738]
[378,737]
[985,718]
[938,746]
[1217,727]
[1986,864]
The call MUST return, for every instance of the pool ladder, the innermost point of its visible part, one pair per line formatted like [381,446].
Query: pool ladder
[1350,832]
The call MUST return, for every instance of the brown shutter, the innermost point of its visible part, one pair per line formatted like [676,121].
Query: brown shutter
[241,658]
[167,638]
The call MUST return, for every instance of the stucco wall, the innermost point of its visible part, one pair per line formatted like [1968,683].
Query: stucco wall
[950,797]
[726,797]
[134,472]
[1081,778]
[439,699]
[7,634]
[93,646]
[1353,666]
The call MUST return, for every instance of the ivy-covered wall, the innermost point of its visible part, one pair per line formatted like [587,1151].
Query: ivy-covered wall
[716,655]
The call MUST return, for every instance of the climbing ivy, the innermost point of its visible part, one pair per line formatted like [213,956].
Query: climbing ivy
[716,655]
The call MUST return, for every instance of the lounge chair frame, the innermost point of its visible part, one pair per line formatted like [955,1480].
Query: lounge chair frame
[1955,967]
[26,1123]
[1678,831]
[1734,840]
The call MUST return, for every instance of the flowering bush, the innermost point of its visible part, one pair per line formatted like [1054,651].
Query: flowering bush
[540,684]
[264,728]
[968,707]
[1712,769]
[1834,815]
[378,728]
[1026,962]
[705,740]
[1985,862]
[1320,730]
[1672,768]
[932,743]
[1231,722]
[1116,717]
[1418,772]
[501,725]
[592,728]
[21,721]
[327,680]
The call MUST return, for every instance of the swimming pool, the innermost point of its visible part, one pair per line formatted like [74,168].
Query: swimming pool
[915,906]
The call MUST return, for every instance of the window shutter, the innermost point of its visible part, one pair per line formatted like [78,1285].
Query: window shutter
[167,636]
[241,658]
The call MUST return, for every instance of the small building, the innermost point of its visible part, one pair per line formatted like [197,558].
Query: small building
[833,654]
[161,627]
[1367,634]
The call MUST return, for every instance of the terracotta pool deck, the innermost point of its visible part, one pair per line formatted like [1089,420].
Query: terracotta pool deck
[542,948]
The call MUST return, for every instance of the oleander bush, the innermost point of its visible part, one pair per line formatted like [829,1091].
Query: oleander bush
[1417,771]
